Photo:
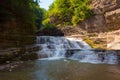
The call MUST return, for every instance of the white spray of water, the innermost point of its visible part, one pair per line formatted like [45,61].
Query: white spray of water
[56,47]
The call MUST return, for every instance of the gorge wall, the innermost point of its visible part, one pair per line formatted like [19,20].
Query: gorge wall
[106,16]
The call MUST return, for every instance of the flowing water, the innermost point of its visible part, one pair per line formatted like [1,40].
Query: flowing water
[59,47]
[56,47]
[67,59]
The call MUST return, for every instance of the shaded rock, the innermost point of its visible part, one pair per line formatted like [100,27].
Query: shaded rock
[51,46]
[29,56]
[99,50]
[70,30]
[69,53]
[33,48]
[94,24]
[13,54]
[43,55]
[53,31]
[10,66]
[8,54]
[29,53]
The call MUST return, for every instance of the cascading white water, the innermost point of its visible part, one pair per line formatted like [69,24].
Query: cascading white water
[95,57]
[57,47]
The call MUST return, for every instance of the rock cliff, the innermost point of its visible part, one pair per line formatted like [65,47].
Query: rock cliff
[106,16]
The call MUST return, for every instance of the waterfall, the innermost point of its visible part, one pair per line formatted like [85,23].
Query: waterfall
[76,48]
[54,47]
[87,56]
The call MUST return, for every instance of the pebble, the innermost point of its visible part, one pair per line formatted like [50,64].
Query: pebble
[7,61]
[10,70]
[12,67]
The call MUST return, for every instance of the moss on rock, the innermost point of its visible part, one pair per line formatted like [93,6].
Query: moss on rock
[91,43]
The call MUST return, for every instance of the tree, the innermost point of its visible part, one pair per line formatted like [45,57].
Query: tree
[25,14]
[81,10]
[39,14]
[67,12]
[60,10]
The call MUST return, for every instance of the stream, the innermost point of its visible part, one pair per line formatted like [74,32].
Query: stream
[67,59]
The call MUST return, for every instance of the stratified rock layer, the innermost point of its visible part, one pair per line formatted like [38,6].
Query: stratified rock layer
[107,16]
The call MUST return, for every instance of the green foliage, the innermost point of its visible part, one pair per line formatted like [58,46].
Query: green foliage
[91,43]
[17,10]
[46,21]
[60,11]
[81,10]
[68,12]
[20,16]
[48,26]
[39,13]
[18,21]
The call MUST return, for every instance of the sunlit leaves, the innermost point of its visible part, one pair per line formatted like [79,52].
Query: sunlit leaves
[70,11]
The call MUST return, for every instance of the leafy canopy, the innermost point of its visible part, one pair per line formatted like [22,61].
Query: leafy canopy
[69,12]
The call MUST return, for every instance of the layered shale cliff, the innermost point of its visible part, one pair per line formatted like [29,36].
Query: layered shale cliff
[106,16]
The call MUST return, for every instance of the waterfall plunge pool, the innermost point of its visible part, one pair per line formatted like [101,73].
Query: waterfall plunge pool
[56,66]
[62,69]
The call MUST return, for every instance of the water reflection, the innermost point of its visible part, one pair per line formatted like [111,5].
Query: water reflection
[63,69]
[72,70]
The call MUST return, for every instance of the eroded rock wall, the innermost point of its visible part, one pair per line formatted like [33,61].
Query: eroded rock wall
[106,16]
